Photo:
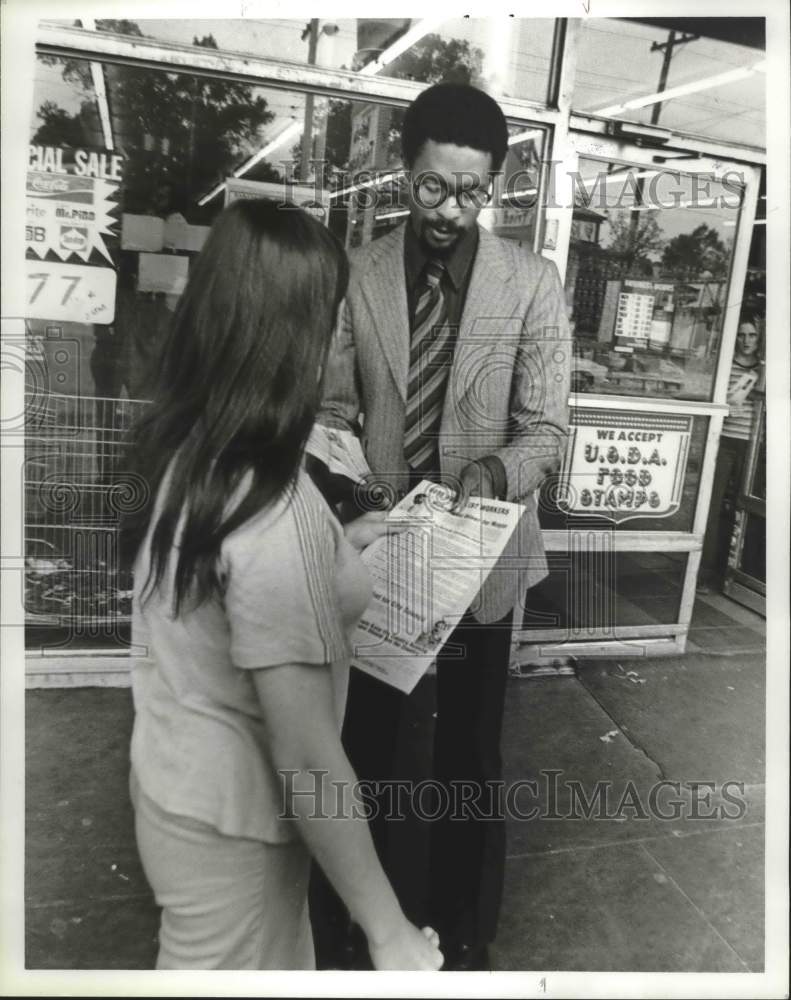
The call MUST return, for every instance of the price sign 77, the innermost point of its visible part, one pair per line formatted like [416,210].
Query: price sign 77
[70,292]
[42,277]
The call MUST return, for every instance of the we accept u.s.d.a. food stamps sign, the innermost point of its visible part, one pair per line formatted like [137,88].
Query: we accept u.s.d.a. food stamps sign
[624,463]
[70,197]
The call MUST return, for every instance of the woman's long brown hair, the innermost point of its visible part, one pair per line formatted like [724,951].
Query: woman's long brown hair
[239,385]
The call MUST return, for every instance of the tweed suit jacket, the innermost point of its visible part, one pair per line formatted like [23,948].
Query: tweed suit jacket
[507,391]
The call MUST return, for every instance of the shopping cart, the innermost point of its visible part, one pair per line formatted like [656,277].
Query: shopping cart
[77,488]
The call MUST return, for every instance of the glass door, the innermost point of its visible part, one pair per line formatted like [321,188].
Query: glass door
[655,270]
[745,575]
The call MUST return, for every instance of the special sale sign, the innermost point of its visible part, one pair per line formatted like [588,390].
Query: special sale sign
[68,208]
[624,463]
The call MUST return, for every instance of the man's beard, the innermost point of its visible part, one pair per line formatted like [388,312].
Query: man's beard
[446,249]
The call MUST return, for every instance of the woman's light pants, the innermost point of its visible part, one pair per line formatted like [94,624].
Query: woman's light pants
[227,902]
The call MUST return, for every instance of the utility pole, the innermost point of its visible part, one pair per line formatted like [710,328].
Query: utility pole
[667,47]
[656,109]
[311,32]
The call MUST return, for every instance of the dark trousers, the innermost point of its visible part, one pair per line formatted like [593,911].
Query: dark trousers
[442,844]
[468,841]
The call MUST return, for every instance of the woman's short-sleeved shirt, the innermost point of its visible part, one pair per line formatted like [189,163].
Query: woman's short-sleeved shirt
[742,380]
[293,591]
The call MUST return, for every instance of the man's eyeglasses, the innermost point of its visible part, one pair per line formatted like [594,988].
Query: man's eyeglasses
[430,191]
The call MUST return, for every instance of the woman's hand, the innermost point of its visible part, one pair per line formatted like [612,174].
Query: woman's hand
[366,528]
[407,948]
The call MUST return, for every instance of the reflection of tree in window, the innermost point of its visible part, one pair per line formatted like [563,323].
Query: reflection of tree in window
[525,156]
[59,128]
[434,60]
[688,255]
[332,122]
[180,134]
[634,244]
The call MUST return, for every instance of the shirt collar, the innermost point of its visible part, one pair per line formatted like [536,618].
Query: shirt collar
[457,265]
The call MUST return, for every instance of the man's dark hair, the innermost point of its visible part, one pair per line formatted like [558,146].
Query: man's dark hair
[455,113]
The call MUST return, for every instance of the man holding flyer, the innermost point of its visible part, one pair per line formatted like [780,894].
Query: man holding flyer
[453,352]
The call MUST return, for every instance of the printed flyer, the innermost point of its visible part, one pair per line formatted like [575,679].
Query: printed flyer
[424,579]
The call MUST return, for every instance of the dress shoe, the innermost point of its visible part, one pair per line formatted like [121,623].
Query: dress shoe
[465,957]
[347,951]
[354,954]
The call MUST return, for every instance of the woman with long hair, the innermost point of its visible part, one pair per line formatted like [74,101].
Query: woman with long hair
[246,592]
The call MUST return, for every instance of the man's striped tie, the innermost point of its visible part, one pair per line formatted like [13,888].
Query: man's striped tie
[430,356]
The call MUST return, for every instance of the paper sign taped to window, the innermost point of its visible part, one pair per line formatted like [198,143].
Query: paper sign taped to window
[73,293]
[142,232]
[162,272]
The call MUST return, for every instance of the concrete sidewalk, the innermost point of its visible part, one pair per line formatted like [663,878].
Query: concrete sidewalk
[628,891]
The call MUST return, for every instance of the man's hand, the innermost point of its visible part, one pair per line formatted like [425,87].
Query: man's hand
[475,481]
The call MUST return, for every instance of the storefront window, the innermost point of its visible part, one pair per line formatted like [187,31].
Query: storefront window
[124,181]
[715,88]
[513,212]
[508,56]
[127,169]
[647,275]
[591,594]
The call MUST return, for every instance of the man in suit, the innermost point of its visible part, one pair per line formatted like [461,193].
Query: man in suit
[453,354]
